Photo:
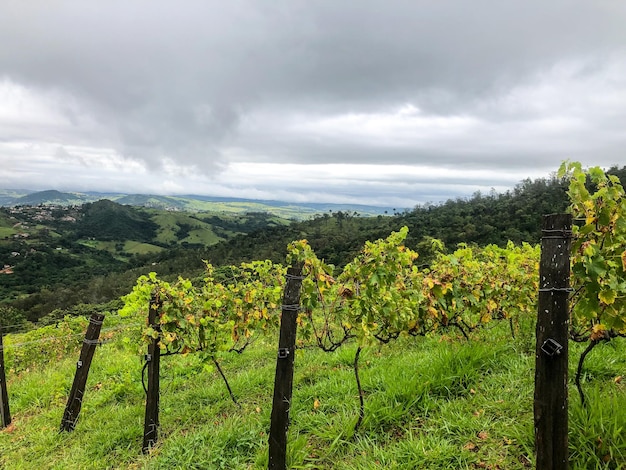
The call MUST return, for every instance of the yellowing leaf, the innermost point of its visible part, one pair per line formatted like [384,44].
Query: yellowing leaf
[316,404]
[607,296]
[598,332]
[624,260]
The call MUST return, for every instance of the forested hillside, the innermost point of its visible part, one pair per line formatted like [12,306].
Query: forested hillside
[53,257]
[481,219]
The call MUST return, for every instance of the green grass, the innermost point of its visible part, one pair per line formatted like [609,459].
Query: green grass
[128,247]
[435,402]
[168,222]
[294,211]
[7,232]
[139,248]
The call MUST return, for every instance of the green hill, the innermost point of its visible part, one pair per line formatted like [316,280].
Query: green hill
[50,197]
[61,256]
[157,202]
[179,227]
[107,220]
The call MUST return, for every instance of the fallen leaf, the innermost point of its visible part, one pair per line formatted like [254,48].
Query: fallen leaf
[483,435]
[316,404]
[10,428]
[470,446]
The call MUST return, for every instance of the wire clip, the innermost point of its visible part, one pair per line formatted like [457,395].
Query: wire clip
[551,347]
[283,353]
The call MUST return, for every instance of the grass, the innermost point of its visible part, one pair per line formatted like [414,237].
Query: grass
[139,248]
[168,222]
[7,232]
[430,403]
[126,247]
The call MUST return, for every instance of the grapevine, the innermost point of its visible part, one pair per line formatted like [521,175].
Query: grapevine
[379,296]
[382,294]
[598,205]
[472,286]
[217,316]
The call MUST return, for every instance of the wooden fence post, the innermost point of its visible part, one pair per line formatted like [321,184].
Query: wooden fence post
[5,415]
[283,381]
[75,400]
[551,358]
[153,359]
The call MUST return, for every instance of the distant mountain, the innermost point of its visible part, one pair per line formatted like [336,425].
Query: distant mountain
[50,197]
[8,195]
[187,203]
[156,202]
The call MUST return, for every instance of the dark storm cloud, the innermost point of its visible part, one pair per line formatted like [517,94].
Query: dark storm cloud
[204,83]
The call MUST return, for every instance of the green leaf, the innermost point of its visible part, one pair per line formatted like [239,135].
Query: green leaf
[596,268]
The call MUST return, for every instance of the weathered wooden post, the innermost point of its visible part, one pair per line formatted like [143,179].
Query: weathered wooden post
[283,381]
[5,415]
[153,359]
[75,400]
[551,359]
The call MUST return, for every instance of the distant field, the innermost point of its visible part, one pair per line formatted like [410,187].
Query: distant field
[289,212]
[6,227]
[200,236]
[6,232]
[138,248]
[170,226]
[129,246]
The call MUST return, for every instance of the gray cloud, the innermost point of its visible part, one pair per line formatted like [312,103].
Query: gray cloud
[203,84]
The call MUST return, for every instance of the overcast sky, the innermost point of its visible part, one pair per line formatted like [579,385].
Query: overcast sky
[379,102]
